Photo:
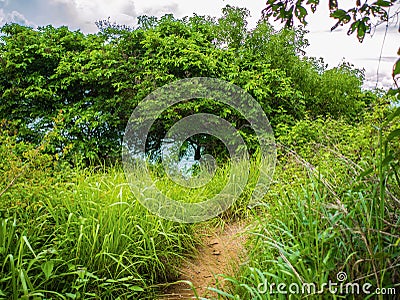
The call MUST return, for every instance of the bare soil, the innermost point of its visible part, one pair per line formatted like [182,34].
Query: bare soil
[222,253]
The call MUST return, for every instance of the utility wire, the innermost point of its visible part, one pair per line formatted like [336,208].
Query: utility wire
[380,55]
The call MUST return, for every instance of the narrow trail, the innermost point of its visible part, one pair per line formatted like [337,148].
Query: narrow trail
[221,253]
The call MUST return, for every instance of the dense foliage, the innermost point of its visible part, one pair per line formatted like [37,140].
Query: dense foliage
[83,88]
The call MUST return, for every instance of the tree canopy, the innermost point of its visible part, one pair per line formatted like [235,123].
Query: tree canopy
[79,90]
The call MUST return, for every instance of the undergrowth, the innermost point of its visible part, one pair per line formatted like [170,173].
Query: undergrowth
[331,216]
[79,233]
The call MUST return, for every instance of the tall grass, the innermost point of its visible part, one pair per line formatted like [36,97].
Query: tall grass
[80,233]
[339,213]
[83,236]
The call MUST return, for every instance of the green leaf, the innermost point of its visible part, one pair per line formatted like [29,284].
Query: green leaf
[28,244]
[387,160]
[301,13]
[396,68]
[393,115]
[353,27]
[136,288]
[366,173]
[395,133]
[70,295]
[339,14]
[361,30]
[47,268]
[382,3]
[394,92]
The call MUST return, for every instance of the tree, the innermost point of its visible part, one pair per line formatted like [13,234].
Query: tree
[80,90]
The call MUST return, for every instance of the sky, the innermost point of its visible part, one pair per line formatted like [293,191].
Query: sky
[333,47]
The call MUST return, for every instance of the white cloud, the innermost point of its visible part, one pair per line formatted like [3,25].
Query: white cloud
[86,12]
[77,14]
[158,11]
[14,17]
[89,11]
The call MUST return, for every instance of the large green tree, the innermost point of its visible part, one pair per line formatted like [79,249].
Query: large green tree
[80,90]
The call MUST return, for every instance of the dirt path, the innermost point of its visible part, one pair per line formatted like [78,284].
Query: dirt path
[222,253]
